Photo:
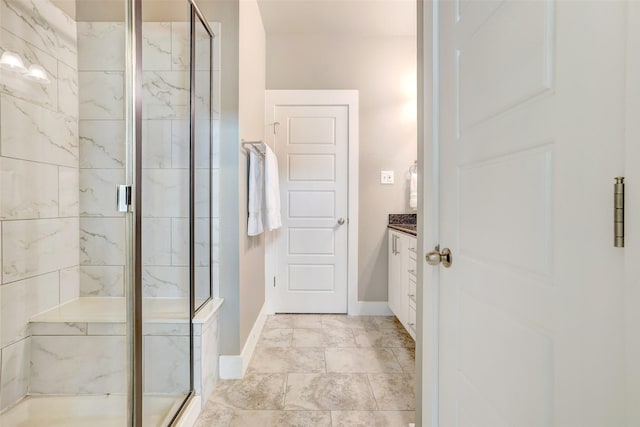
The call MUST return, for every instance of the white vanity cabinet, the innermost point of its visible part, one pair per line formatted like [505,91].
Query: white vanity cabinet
[412,273]
[396,293]
[402,278]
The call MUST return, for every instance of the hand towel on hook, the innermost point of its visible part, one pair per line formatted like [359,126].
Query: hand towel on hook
[273,218]
[413,190]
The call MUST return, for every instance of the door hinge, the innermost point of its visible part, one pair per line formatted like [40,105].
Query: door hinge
[275,124]
[123,198]
[618,212]
[274,281]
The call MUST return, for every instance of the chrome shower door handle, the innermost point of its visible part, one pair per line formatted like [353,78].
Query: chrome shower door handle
[123,197]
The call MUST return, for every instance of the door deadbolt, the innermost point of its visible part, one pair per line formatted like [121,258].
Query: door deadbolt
[436,257]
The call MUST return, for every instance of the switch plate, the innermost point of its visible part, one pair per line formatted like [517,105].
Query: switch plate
[386,177]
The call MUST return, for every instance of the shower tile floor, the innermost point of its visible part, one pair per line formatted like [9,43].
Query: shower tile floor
[321,370]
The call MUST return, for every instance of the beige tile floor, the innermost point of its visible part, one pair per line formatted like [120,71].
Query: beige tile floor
[321,370]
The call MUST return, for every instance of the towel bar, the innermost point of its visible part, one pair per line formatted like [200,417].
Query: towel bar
[260,146]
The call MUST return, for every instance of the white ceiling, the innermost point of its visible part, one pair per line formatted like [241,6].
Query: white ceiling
[339,17]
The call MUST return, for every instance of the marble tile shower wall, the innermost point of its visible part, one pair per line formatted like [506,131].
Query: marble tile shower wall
[165,160]
[101,65]
[166,75]
[165,163]
[39,177]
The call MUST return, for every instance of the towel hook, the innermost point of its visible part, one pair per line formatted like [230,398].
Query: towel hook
[414,167]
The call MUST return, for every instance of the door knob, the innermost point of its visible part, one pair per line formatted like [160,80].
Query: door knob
[436,257]
[341,221]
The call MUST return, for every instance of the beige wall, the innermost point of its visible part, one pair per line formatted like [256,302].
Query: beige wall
[227,13]
[383,69]
[251,119]
[67,6]
[242,116]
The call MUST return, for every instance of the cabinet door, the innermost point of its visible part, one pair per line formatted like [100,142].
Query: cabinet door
[404,242]
[395,274]
[411,272]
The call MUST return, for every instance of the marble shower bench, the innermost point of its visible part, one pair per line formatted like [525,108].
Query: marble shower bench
[81,347]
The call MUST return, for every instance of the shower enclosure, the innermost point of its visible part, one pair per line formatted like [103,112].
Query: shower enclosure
[108,166]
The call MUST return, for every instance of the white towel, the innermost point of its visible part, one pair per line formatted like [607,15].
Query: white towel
[256,190]
[413,190]
[273,218]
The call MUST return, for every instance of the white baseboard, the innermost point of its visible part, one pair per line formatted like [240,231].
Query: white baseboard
[252,339]
[370,308]
[190,414]
[234,367]
[359,308]
[231,367]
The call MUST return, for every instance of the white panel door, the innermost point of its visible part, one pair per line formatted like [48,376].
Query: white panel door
[312,148]
[531,132]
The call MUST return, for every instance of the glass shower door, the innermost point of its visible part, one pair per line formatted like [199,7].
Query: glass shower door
[166,257]
[64,335]
[202,149]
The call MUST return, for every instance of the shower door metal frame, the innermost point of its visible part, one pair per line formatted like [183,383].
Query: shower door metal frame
[133,218]
[196,14]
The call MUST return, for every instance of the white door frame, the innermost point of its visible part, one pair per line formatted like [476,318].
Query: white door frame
[348,98]
[632,206]
[427,307]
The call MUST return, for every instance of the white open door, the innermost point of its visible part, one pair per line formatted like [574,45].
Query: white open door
[311,140]
[531,116]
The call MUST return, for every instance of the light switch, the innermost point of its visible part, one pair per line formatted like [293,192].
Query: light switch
[386,177]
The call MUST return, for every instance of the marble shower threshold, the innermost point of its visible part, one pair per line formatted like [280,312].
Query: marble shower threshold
[88,410]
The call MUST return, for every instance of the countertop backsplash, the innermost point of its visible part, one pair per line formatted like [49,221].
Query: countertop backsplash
[409,219]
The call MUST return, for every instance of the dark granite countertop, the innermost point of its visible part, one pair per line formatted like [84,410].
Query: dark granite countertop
[405,228]
[404,222]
